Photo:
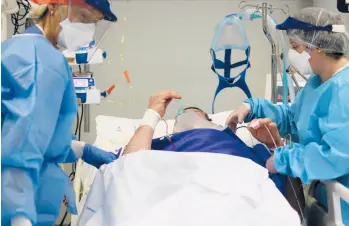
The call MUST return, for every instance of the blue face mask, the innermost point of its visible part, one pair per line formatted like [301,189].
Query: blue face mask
[222,42]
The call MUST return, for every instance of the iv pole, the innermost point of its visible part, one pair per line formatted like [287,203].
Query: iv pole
[264,9]
[273,53]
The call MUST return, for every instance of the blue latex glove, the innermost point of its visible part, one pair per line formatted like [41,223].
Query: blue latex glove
[97,157]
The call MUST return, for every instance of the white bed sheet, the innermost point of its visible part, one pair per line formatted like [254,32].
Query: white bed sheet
[185,189]
[115,132]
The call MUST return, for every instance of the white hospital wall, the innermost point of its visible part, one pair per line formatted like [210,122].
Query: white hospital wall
[167,47]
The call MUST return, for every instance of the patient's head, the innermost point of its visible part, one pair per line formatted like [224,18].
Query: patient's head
[198,111]
[193,118]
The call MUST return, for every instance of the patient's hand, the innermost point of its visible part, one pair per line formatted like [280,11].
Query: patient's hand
[261,133]
[159,101]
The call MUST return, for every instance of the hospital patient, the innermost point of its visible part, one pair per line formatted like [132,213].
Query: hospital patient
[194,132]
[169,186]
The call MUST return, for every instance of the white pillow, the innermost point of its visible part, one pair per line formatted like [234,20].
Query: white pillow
[114,132]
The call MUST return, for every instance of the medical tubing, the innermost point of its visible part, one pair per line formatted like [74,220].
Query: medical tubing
[285,64]
[290,181]
[168,136]
[271,136]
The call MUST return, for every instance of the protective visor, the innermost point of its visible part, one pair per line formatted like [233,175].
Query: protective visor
[292,23]
[102,6]
[80,14]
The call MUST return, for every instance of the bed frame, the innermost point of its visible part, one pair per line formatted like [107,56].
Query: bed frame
[319,216]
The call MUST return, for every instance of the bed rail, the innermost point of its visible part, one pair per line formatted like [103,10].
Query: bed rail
[335,192]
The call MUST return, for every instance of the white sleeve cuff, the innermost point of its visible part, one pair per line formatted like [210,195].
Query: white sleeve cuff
[150,118]
[20,221]
[78,148]
[247,105]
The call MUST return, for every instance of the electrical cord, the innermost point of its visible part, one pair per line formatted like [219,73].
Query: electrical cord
[78,130]
[80,122]
[71,177]
[289,179]
[78,134]
[271,136]
[63,219]
[17,18]
[77,123]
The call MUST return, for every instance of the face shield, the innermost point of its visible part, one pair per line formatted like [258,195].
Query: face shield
[77,29]
[314,28]
[84,29]
[317,28]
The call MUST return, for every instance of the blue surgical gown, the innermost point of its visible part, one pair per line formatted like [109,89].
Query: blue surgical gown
[38,108]
[318,122]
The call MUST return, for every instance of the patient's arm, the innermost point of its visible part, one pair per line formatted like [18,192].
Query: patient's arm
[156,110]
[141,140]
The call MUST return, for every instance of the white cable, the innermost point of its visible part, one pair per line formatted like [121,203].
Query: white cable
[293,189]
[271,136]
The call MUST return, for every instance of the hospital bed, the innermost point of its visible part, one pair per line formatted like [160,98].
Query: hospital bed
[114,132]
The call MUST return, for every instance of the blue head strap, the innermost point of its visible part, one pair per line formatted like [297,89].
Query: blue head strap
[226,80]
[293,23]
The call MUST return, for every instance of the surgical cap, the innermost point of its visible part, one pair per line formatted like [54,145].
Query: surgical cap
[329,42]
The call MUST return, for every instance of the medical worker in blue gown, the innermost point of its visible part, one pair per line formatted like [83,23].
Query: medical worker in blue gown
[38,108]
[318,121]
